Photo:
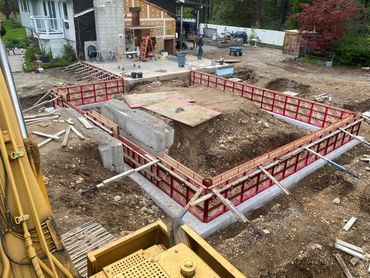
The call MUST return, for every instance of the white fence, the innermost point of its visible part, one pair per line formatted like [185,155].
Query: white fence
[265,36]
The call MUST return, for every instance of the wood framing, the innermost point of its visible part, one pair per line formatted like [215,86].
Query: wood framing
[143,13]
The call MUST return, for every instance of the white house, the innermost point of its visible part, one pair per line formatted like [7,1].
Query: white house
[51,21]
[79,23]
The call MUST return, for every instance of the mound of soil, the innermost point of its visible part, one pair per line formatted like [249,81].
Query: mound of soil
[230,139]
[121,208]
[283,85]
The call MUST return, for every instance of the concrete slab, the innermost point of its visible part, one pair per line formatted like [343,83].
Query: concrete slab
[173,209]
[184,112]
[173,106]
[154,69]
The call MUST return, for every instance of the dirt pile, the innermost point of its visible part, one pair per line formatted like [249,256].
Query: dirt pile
[230,139]
[121,208]
[288,85]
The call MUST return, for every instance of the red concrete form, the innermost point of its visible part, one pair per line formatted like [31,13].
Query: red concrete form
[246,180]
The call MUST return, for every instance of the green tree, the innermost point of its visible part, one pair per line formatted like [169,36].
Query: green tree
[8,7]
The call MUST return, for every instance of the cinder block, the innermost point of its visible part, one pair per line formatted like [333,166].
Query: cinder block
[142,126]
[106,156]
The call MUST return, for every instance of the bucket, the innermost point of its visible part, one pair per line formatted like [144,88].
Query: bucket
[134,75]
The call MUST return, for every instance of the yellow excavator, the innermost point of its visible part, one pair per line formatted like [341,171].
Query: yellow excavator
[30,243]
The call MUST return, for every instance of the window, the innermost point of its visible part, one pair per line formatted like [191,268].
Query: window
[65,11]
[24,6]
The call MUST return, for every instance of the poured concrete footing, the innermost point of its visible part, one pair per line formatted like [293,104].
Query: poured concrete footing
[173,209]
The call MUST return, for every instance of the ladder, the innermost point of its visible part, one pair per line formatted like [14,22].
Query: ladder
[146,48]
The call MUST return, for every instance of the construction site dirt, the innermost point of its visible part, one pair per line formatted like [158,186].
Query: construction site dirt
[242,132]
[299,243]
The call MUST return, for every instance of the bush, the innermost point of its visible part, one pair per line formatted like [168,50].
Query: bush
[30,57]
[353,51]
[68,57]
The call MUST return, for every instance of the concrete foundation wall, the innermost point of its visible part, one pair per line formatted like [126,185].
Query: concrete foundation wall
[173,209]
[140,125]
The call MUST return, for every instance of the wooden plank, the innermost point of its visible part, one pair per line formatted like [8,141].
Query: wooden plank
[343,266]
[60,133]
[46,135]
[350,246]
[79,134]
[350,223]
[66,137]
[85,122]
[69,121]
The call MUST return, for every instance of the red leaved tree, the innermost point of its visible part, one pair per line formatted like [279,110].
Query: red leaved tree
[326,20]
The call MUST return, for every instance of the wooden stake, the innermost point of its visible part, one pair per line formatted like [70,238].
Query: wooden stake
[343,266]
[77,132]
[60,133]
[66,136]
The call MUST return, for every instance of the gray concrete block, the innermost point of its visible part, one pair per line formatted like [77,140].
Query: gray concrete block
[140,125]
[106,156]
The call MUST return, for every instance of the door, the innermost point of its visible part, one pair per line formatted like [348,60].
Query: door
[169,46]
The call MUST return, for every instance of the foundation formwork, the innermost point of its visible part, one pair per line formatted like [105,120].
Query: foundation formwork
[244,181]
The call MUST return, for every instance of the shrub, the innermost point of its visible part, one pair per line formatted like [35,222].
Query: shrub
[353,51]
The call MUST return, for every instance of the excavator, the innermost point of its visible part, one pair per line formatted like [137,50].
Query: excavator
[31,245]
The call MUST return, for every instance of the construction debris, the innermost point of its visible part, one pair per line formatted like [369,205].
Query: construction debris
[66,137]
[85,122]
[354,261]
[365,158]
[336,201]
[46,135]
[350,223]
[350,249]
[79,134]
[343,266]
[50,139]
[69,121]
[40,104]
[322,97]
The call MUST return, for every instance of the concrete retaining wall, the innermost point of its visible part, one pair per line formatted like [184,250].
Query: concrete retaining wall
[140,125]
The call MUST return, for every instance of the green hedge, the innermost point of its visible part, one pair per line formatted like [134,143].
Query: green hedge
[353,51]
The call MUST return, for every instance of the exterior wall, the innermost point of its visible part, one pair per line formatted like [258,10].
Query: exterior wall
[109,22]
[51,41]
[56,46]
[152,15]
[26,16]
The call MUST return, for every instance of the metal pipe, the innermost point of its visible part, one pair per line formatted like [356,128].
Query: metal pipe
[11,87]
[120,176]
[332,163]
